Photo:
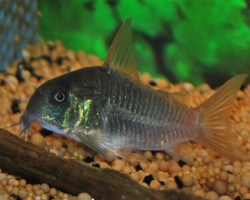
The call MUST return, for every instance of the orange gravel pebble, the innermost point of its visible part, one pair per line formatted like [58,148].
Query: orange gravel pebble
[211,195]
[224,197]
[171,185]
[22,183]
[22,193]
[38,139]
[29,187]
[45,187]
[243,191]
[39,192]
[16,183]
[220,187]
[153,166]
[4,182]
[134,176]
[159,156]
[57,143]
[144,165]
[127,170]
[174,168]
[148,155]
[163,165]
[117,167]
[83,196]
[52,191]
[246,181]
[155,184]
[223,175]
[187,180]
[247,196]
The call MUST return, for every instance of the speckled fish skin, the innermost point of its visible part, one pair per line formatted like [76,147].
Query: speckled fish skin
[128,114]
[108,109]
[144,118]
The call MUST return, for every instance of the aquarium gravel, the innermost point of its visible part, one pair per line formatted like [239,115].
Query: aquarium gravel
[210,176]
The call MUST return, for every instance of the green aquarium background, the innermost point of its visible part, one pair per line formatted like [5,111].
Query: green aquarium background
[184,40]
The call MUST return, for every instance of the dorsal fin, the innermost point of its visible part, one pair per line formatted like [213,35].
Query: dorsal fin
[121,55]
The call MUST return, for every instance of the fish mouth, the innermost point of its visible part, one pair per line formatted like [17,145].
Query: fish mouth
[25,125]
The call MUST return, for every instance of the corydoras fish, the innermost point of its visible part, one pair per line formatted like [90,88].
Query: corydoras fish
[106,108]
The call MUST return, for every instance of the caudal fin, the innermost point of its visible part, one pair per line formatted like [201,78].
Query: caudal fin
[214,121]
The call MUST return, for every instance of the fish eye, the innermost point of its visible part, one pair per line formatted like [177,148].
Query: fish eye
[59,96]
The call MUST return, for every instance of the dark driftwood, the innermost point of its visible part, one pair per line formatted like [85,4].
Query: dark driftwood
[37,165]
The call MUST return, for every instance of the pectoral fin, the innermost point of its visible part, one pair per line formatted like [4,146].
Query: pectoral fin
[95,140]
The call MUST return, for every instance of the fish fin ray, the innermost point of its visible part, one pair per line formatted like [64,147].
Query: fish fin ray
[181,151]
[96,141]
[180,97]
[93,141]
[121,55]
[214,121]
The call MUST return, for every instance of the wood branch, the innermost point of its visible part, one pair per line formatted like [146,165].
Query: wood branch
[39,166]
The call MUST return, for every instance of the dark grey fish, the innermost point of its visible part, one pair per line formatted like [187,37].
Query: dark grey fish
[108,109]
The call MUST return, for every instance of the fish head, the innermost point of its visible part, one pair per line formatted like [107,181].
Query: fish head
[58,104]
[47,106]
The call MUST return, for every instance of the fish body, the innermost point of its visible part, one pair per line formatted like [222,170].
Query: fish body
[108,109]
[139,117]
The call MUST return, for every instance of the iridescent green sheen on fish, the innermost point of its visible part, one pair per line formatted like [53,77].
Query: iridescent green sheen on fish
[108,109]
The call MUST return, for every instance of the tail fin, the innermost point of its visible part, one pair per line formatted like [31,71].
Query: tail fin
[214,121]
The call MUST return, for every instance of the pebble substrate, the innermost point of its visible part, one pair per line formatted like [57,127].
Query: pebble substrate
[210,176]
